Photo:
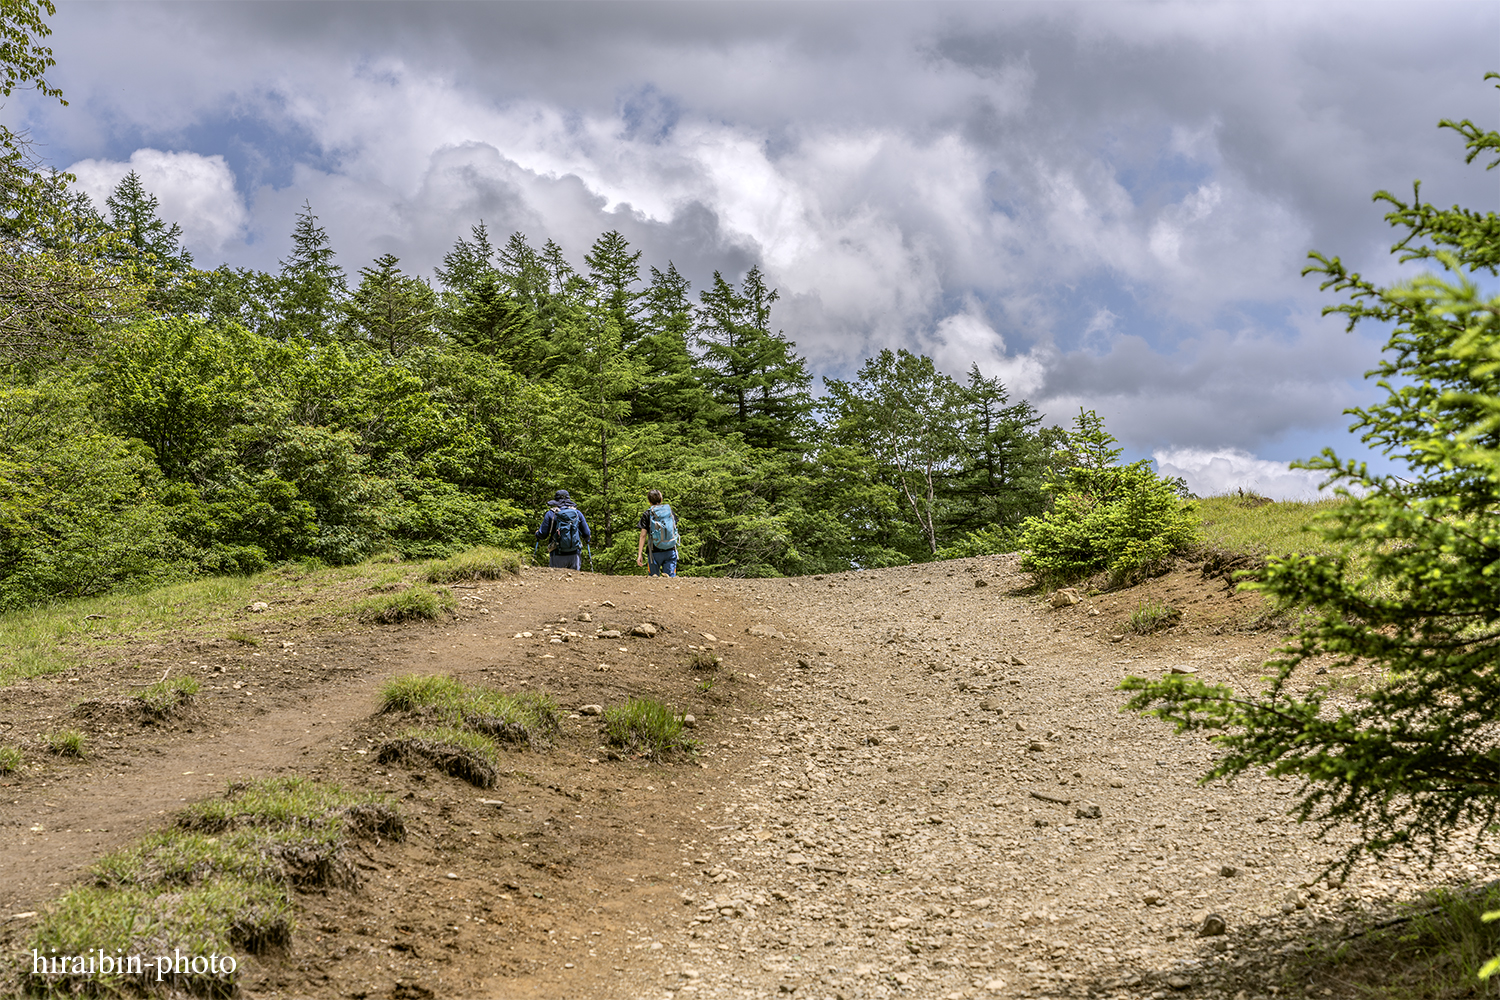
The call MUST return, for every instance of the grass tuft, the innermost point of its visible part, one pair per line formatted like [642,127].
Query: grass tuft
[243,638]
[1152,616]
[11,759]
[643,725]
[483,563]
[410,605]
[219,883]
[67,743]
[704,659]
[462,753]
[164,698]
[529,717]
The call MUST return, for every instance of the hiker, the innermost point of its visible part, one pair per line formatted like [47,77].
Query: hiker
[566,532]
[659,525]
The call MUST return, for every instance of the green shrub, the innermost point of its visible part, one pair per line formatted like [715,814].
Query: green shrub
[1123,519]
[644,725]
[10,759]
[483,563]
[990,540]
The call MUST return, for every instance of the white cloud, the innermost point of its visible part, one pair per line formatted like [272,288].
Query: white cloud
[1210,473]
[192,190]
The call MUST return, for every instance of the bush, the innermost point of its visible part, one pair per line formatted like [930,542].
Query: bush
[10,759]
[1123,519]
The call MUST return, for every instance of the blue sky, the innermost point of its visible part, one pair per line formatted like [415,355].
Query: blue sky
[1107,205]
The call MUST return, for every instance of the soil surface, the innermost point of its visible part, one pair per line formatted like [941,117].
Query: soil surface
[910,782]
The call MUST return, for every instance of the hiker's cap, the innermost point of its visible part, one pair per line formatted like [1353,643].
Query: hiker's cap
[561,495]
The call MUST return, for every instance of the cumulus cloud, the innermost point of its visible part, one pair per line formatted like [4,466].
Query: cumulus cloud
[1104,205]
[195,191]
[1210,473]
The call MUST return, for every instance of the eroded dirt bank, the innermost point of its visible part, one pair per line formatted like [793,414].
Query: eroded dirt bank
[913,782]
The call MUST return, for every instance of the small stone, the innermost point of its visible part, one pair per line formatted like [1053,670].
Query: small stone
[1179,982]
[707,637]
[606,604]
[590,709]
[1228,871]
[804,664]
[1116,783]
[1088,811]
[995,985]
[611,633]
[584,616]
[798,859]
[1036,746]
[1066,597]
[938,616]
[981,583]
[1288,907]
[1179,669]
[990,705]
[689,722]
[1117,638]
[1016,661]
[645,630]
[1153,899]
[260,606]
[1020,726]
[1213,926]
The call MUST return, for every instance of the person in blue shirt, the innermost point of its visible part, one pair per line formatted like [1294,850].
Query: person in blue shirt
[566,531]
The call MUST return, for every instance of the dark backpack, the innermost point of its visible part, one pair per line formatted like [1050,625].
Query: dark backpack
[566,537]
[663,528]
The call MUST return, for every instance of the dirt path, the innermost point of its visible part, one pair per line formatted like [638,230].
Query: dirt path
[912,782]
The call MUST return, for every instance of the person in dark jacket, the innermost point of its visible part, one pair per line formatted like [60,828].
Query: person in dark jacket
[566,531]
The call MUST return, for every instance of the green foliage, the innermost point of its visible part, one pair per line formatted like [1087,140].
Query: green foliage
[22,58]
[991,540]
[645,726]
[1417,756]
[11,759]
[1123,519]
[390,311]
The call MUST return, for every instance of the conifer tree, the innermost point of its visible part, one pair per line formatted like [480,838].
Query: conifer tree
[748,368]
[151,244]
[669,391]
[1416,756]
[312,285]
[390,310]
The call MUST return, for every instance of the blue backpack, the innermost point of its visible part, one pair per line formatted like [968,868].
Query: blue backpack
[663,528]
[566,538]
